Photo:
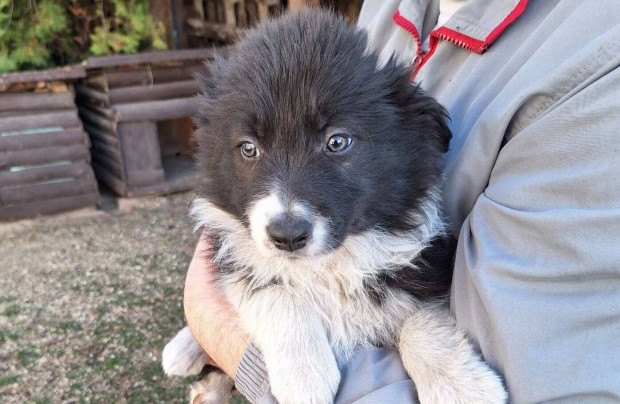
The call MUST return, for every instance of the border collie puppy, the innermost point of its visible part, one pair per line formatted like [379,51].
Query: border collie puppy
[320,188]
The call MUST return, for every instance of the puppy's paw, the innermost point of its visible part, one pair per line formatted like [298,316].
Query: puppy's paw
[183,356]
[443,363]
[482,385]
[297,380]
[477,384]
[215,388]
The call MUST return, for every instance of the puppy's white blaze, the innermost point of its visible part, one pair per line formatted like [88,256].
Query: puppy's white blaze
[320,228]
[183,356]
[298,208]
[260,214]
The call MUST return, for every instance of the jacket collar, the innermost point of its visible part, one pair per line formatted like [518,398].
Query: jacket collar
[475,26]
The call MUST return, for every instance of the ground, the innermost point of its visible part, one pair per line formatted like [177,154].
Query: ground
[87,303]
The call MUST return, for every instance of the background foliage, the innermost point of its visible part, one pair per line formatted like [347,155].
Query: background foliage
[45,33]
[29,33]
[127,28]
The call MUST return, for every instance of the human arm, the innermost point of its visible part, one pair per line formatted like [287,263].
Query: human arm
[537,270]
[212,320]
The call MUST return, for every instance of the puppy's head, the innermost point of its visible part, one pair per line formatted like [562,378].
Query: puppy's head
[305,140]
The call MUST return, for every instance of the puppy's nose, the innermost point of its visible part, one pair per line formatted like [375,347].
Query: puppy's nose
[289,233]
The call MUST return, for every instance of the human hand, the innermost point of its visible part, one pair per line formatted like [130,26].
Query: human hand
[212,320]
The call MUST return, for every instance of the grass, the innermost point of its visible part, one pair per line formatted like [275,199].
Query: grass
[8,380]
[12,310]
[87,305]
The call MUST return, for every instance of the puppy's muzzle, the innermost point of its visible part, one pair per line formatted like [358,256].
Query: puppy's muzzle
[289,233]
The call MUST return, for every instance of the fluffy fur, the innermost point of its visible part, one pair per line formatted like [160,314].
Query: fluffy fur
[366,215]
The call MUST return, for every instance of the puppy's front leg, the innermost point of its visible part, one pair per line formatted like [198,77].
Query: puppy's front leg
[300,363]
[442,362]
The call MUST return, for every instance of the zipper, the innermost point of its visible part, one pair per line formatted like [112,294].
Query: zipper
[421,60]
[472,47]
[455,37]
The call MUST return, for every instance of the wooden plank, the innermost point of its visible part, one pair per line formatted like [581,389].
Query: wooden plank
[11,102]
[44,156]
[162,12]
[146,76]
[165,187]
[62,73]
[214,30]
[37,192]
[210,11]
[145,177]
[39,140]
[11,114]
[42,174]
[64,118]
[141,76]
[177,89]
[157,110]
[297,4]
[149,57]
[43,207]
[140,146]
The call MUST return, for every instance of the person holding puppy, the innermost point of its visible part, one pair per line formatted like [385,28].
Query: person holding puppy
[532,193]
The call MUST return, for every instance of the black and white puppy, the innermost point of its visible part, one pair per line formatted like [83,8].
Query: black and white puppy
[321,172]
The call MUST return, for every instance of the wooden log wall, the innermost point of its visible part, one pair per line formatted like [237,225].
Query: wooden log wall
[44,155]
[120,103]
[206,22]
[348,8]
[222,21]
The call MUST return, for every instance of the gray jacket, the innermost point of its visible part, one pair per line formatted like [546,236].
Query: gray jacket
[532,192]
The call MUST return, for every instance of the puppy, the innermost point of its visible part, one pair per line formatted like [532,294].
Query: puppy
[320,188]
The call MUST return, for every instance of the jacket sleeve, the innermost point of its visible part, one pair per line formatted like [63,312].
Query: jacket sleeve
[372,376]
[537,268]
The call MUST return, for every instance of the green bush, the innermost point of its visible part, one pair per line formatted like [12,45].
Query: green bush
[44,33]
[128,29]
[28,30]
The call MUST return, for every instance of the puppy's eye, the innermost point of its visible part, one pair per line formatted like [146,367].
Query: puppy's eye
[249,150]
[338,142]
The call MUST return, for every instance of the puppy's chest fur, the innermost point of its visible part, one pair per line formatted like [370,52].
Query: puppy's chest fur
[357,308]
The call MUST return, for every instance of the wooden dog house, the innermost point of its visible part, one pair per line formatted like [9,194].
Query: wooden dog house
[137,110]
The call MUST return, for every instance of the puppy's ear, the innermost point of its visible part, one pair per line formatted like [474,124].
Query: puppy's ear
[420,111]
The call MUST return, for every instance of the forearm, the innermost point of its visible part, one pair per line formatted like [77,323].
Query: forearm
[210,317]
